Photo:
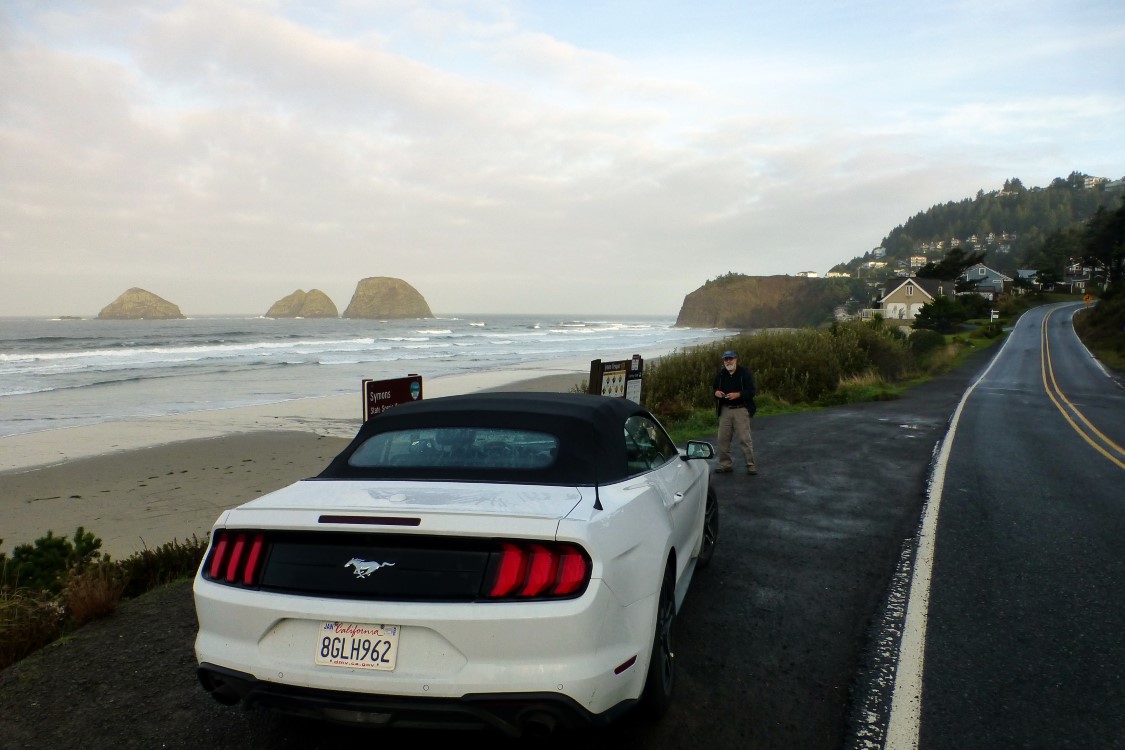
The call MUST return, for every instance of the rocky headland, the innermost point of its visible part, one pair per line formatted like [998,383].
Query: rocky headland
[746,302]
[301,304]
[139,304]
[385,298]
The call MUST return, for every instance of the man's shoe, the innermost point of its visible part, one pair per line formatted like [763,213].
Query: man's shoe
[721,470]
[751,471]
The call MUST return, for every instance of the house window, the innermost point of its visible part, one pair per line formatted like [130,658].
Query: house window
[909,291]
[980,272]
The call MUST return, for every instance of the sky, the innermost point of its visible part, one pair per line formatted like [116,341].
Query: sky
[517,156]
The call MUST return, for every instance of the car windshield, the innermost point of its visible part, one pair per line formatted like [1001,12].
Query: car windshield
[457,447]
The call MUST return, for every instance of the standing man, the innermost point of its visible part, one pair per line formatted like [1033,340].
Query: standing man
[734,403]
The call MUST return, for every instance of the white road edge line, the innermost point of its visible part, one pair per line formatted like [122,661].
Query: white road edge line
[904,722]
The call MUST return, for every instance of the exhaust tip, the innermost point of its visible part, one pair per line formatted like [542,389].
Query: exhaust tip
[220,689]
[540,724]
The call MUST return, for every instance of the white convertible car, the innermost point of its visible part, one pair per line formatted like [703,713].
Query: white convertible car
[505,560]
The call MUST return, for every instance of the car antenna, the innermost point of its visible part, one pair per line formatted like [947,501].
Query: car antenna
[597,497]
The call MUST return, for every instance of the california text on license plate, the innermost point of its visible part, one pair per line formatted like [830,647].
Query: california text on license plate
[358,645]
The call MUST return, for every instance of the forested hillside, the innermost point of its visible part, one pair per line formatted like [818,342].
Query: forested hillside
[1042,229]
[745,302]
[1016,227]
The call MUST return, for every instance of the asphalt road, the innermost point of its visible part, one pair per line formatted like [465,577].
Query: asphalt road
[1024,645]
[773,644]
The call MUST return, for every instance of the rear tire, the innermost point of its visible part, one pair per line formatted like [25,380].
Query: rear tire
[661,678]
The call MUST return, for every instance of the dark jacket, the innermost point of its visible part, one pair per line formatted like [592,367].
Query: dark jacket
[740,381]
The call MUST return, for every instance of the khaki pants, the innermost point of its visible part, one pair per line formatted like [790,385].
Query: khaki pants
[734,422]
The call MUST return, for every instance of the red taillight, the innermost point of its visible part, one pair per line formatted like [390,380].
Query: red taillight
[250,572]
[573,572]
[537,570]
[510,571]
[236,557]
[218,553]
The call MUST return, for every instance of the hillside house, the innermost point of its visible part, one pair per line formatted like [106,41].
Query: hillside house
[1030,276]
[904,301]
[1076,282]
[987,282]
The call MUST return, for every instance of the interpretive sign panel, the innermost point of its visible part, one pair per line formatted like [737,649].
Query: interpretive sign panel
[618,379]
[380,395]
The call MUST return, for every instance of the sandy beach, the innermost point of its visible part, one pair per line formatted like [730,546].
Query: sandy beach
[145,482]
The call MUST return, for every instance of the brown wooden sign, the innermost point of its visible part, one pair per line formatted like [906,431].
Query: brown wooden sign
[618,379]
[380,395]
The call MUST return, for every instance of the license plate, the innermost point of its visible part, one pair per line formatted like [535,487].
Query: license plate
[357,645]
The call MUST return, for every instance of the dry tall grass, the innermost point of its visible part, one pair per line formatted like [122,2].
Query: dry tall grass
[93,593]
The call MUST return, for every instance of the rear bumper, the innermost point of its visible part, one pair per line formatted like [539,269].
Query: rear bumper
[590,651]
[512,714]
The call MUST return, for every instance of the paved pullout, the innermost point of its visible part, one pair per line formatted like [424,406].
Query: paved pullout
[770,645]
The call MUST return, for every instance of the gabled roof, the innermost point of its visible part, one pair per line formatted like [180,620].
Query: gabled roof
[929,287]
[992,272]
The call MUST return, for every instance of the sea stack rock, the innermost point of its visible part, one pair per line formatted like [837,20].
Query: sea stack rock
[137,304]
[301,304]
[383,298]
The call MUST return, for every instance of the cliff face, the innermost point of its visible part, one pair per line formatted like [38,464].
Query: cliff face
[383,298]
[745,302]
[301,304]
[138,304]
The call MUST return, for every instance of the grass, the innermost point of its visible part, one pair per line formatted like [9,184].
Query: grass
[808,370]
[1102,330]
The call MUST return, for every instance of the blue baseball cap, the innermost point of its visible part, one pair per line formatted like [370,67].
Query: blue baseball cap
[728,354]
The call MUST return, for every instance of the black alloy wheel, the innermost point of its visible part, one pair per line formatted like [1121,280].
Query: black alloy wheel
[661,678]
[710,530]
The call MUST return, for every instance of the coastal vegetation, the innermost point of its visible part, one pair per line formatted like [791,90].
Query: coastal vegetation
[808,368]
[1102,328]
[56,584]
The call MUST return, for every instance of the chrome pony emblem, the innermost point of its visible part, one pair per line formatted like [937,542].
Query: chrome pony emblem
[364,568]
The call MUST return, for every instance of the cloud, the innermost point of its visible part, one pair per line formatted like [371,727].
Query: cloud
[227,153]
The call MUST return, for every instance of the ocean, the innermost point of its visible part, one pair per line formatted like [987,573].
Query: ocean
[67,372]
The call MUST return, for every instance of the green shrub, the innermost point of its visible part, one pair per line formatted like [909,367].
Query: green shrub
[45,564]
[57,584]
[149,568]
[923,342]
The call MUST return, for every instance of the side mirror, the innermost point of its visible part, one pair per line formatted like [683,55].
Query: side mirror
[699,449]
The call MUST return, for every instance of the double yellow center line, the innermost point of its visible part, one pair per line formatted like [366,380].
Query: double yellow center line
[1070,412]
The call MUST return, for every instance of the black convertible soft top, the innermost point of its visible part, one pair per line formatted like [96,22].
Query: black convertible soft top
[589,430]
